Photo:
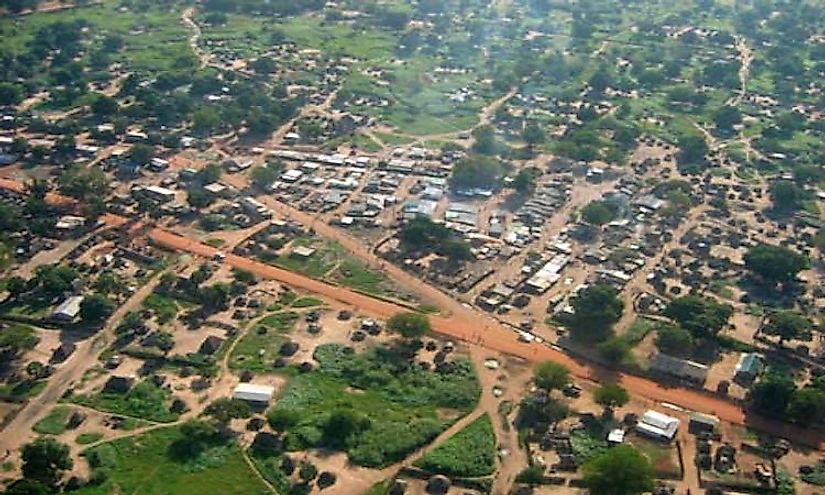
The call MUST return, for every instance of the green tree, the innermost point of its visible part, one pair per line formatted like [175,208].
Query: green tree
[674,340]
[224,410]
[341,426]
[45,460]
[282,419]
[787,325]
[141,154]
[532,134]
[264,176]
[16,286]
[772,394]
[611,396]
[205,120]
[775,264]
[10,93]
[476,171]
[807,406]
[614,350]
[622,470]
[17,338]
[595,310]
[598,213]
[693,147]
[701,316]
[81,183]
[95,308]
[551,376]
[410,325]
[525,182]
[786,196]
[104,106]
[726,117]
[28,487]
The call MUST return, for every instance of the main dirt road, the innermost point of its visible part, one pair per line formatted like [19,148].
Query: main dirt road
[459,322]
[468,325]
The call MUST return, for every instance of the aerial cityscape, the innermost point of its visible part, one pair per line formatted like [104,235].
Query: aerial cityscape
[408,247]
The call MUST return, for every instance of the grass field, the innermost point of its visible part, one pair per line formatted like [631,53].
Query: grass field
[87,438]
[144,464]
[470,453]
[267,335]
[55,422]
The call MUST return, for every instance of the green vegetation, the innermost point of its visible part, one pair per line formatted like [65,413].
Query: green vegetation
[410,325]
[55,422]
[267,336]
[144,401]
[88,438]
[163,462]
[374,405]
[622,470]
[307,302]
[469,453]
[164,307]
[551,376]
[422,235]
[596,309]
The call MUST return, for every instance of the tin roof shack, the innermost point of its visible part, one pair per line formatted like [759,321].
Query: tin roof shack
[658,426]
[682,369]
[69,224]
[702,423]
[68,310]
[256,395]
[156,193]
[748,368]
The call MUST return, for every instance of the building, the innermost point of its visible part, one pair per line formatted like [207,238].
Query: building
[303,252]
[701,423]
[748,368]
[257,394]
[68,310]
[69,223]
[159,194]
[657,425]
[683,369]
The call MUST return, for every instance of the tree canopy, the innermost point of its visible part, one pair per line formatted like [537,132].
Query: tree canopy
[95,308]
[476,172]
[787,325]
[674,340]
[599,213]
[410,325]
[595,310]
[622,470]
[701,316]
[45,460]
[611,395]
[551,376]
[775,264]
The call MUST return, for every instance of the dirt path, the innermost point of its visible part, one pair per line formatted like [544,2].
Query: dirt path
[745,59]
[187,18]
[19,430]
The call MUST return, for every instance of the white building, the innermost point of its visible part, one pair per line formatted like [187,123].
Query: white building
[258,394]
[657,425]
[68,310]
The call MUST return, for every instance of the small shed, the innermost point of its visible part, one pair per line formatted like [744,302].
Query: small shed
[68,310]
[211,345]
[701,423]
[748,368]
[256,394]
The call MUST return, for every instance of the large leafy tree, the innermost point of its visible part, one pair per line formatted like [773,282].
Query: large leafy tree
[45,460]
[410,325]
[775,264]
[611,395]
[787,325]
[622,470]
[596,309]
[551,376]
[701,316]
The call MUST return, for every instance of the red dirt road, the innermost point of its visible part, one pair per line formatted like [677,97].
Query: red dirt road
[465,324]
